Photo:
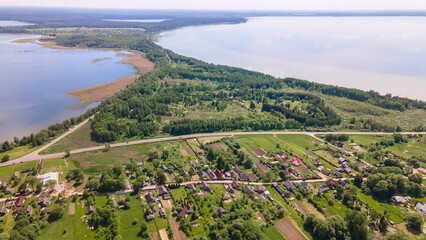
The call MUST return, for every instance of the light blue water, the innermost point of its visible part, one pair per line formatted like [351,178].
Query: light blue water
[34,82]
[13,23]
[386,54]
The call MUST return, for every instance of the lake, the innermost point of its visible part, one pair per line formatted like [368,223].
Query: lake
[34,82]
[386,54]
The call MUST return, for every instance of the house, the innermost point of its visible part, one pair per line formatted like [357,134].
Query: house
[174,213]
[296,160]
[174,166]
[234,175]
[162,190]
[150,198]
[317,162]
[200,193]
[192,171]
[3,208]
[244,177]
[29,210]
[218,173]
[253,177]
[235,185]
[162,212]
[289,185]
[341,159]
[266,193]
[296,173]
[421,208]
[323,188]
[188,209]
[184,172]
[15,175]
[249,190]
[166,196]
[26,169]
[398,199]
[43,201]
[221,211]
[200,151]
[337,173]
[204,186]
[335,184]
[164,168]
[8,190]
[227,175]
[192,187]
[225,196]
[281,191]
[139,164]
[203,174]
[347,170]
[280,101]
[150,217]
[90,210]
[238,171]
[303,184]
[325,172]
[261,189]
[229,189]
[133,176]
[211,174]
[4,180]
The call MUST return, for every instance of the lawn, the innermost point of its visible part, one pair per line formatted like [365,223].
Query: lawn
[127,229]
[396,215]
[267,142]
[58,165]
[300,141]
[272,232]
[19,151]
[76,140]
[9,170]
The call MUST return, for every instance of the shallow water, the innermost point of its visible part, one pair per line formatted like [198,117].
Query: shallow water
[34,82]
[386,54]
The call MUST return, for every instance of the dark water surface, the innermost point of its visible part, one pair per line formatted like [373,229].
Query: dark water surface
[386,54]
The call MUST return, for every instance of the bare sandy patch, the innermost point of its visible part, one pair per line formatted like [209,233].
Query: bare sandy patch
[71,209]
[143,65]
[96,60]
[260,216]
[289,231]
[177,235]
[163,234]
[102,91]
[154,236]
[184,152]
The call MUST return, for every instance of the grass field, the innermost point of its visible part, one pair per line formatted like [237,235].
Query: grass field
[272,232]
[78,139]
[127,229]
[19,152]
[58,165]
[9,170]
[300,141]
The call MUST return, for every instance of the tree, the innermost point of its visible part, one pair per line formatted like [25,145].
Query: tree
[415,221]
[56,214]
[248,164]
[93,183]
[282,175]
[5,158]
[161,177]
[357,225]
[383,225]
[165,154]
[144,229]
[67,153]
[398,137]
[50,184]
[358,180]
[252,105]
[398,236]
[416,178]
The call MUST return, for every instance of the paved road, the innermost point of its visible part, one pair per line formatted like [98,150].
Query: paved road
[34,156]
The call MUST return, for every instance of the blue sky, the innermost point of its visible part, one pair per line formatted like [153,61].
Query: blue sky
[316,5]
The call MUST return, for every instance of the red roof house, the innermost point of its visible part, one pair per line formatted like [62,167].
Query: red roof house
[335,184]
[296,160]
[19,203]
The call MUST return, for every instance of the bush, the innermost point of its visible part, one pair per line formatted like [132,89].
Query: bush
[415,221]
[56,214]
[135,221]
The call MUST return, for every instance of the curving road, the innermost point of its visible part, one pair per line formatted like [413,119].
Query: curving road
[34,156]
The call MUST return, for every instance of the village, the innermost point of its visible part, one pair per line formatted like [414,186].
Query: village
[276,181]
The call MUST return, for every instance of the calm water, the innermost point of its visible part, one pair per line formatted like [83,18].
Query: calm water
[137,20]
[34,82]
[386,54]
[13,23]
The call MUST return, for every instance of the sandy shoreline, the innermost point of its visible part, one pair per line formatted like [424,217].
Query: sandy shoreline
[102,91]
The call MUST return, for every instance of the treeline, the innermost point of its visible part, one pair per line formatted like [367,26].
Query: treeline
[188,126]
[44,135]
[372,97]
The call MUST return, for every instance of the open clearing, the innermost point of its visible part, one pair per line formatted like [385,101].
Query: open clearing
[216,146]
[163,234]
[288,230]
[71,209]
